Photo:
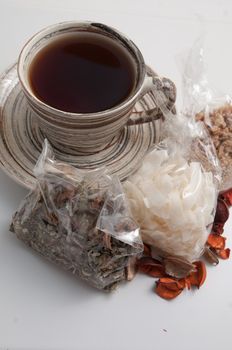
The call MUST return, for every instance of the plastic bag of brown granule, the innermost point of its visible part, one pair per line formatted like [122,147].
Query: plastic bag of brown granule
[219,124]
[208,106]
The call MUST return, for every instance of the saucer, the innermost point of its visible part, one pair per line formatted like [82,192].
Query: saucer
[21,139]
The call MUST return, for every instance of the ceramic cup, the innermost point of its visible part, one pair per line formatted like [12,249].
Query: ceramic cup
[90,132]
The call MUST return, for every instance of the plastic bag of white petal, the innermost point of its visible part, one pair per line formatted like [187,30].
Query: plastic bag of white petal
[173,200]
[174,193]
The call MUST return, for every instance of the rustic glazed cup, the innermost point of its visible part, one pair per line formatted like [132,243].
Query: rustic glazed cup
[89,132]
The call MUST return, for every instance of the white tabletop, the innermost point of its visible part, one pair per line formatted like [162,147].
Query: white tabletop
[42,307]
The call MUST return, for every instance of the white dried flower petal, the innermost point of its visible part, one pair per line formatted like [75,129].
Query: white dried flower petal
[173,202]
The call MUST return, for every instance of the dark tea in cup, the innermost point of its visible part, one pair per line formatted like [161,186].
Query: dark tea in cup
[82,73]
[82,81]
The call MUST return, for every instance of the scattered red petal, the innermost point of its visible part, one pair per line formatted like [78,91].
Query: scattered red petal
[153,271]
[218,228]
[200,265]
[227,196]
[151,267]
[216,241]
[197,278]
[172,283]
[222,211]
[182,283]
[223,253]
[168,289]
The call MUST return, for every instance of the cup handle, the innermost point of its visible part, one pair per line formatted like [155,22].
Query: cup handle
[154,83]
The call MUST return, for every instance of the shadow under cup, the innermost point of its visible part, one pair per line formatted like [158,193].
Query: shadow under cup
[81,133]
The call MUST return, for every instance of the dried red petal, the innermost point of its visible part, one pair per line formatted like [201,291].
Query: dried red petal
[153,271]
[216,241]
[171,283]
[182,283]
[222,211]
[223,253]
[218,228]
[201,271]
[227,196]
[165,292]
[151,267]
[197,278]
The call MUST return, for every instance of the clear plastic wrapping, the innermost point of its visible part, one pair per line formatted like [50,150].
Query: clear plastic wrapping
[173,201]
[81,221]
[173,195]
[212,108]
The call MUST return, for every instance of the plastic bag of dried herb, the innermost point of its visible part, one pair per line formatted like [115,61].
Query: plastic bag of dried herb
[80,220]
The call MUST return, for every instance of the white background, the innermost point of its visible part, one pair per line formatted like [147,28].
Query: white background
[42,307]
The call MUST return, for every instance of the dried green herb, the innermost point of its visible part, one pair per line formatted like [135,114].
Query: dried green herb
[81,224]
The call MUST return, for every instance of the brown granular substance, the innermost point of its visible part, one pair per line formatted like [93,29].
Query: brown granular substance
[221,133]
